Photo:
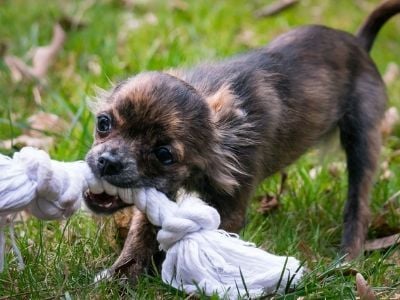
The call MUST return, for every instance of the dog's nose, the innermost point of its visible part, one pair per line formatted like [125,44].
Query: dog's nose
[109,164]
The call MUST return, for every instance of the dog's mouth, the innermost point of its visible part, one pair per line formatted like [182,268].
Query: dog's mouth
[107,198]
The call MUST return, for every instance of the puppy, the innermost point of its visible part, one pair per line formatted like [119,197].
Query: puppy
[219,129]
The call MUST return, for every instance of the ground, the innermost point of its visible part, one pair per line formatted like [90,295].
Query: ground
[116,39]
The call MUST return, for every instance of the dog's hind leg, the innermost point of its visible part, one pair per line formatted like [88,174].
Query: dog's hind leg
[361,139]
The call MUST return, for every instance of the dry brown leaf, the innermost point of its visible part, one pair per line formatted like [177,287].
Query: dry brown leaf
[392,73]
[382,243]
[18,68]
[246,38]
[314,172]
[385,172]
[363,289]
[274,8]
[94,65]
[36,135]
[36,95]
[390,120]
[71,23]
[150,19]
[381,225]
[21,141]
[179,5]
[42,59]
[306,251]
[267,204]
[42,122]
[336,169]
[131,22]
[3,49]
[44,56]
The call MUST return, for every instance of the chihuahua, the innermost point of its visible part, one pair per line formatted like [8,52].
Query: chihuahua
[219,129]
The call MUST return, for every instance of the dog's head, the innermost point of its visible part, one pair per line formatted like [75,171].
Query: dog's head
[153,130]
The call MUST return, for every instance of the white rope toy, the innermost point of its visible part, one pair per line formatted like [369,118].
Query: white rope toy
[198,255]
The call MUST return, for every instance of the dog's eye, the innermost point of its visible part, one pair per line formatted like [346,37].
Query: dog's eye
[164,155]
[103,124]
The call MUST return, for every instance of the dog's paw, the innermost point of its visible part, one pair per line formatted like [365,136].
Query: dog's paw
[106,274]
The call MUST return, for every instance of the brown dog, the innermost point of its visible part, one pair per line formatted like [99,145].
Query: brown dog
[219,129]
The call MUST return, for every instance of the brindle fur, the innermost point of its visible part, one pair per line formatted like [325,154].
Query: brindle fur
[233,123]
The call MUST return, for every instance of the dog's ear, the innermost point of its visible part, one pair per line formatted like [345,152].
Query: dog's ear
[225,110]
[99,102]
[223,104]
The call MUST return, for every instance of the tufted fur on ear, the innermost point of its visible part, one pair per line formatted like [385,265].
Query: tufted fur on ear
[232,131]
[98,102]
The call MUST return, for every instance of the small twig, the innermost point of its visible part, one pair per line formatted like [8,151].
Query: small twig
[274,8]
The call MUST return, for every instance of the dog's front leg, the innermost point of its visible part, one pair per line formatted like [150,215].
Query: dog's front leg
[139,249]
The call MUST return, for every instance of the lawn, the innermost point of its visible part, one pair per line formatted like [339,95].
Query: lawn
[115,39]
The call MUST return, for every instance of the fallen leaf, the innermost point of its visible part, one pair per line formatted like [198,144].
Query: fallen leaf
[44,56]
[18,68]
[363,289]
[382,243]
[336,169]
[246,38]
[306,251]
[94,65]
[380,224]
[71,23]
[42,59]
[150,19]
[36,135]
[364,5]
[44,143]
[390,120]
[274,8]
[385,171]
[179,5]
[391,74]
[381,227]
[3,49]
[42,122]
[267,204]
[314,172]
[130,22]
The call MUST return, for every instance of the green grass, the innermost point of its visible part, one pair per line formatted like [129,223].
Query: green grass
[63,258]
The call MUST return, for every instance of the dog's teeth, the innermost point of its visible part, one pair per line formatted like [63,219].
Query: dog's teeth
[108,205]
[95,186]
[126,195]
[109,188]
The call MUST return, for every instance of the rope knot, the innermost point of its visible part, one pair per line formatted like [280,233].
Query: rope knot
[191,215]
[48,189]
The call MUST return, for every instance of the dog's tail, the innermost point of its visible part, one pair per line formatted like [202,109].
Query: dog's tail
[368,31]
